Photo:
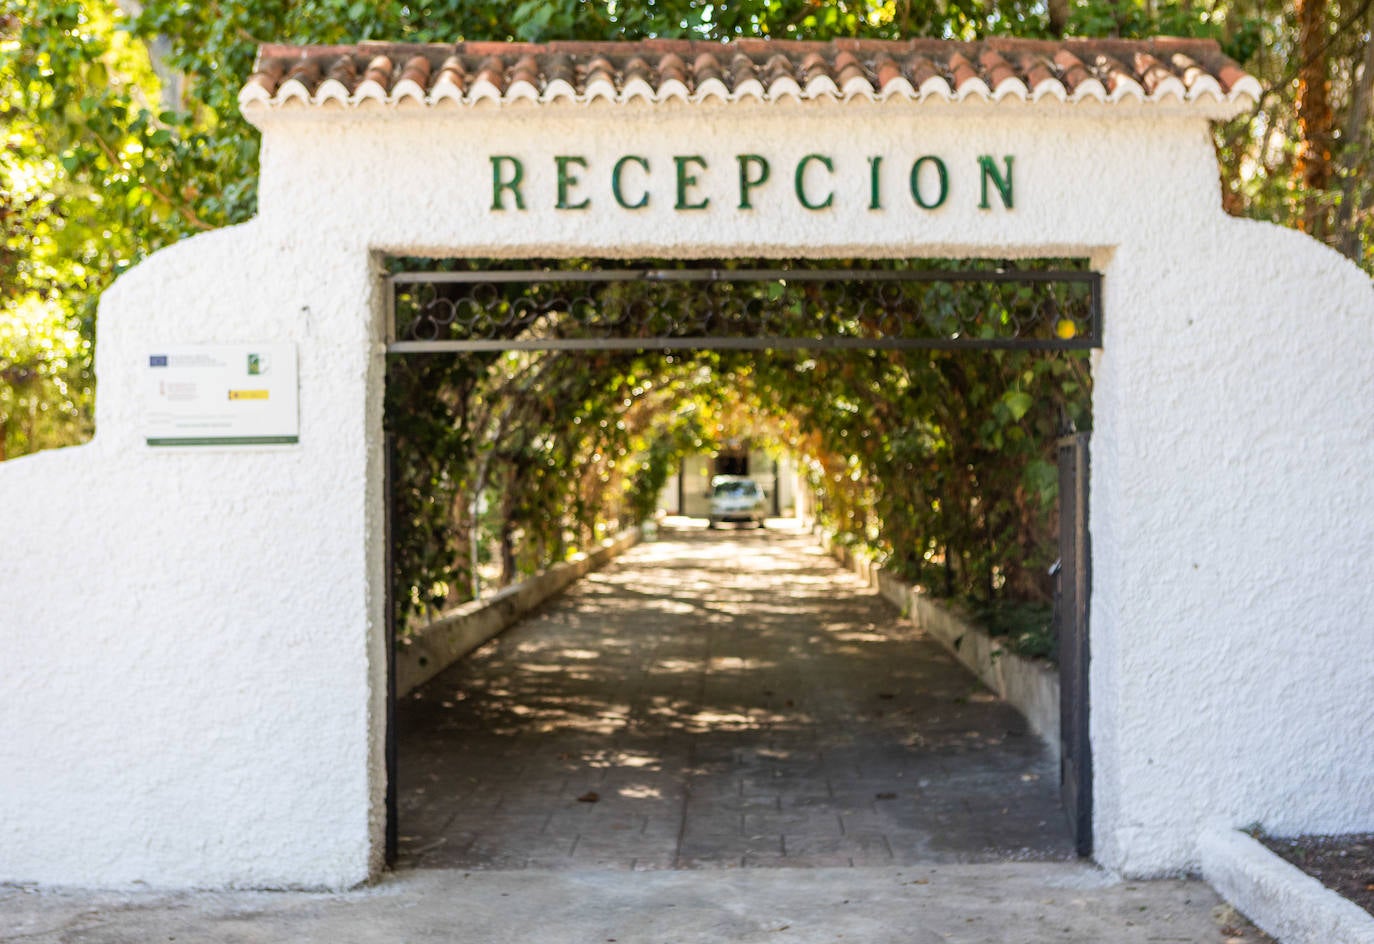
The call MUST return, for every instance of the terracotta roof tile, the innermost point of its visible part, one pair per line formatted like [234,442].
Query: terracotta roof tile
[307,72]
[379,71]
[886,69]
[343,71]
[493,72]
[1072,72]
[923,69]
[672,67]
[962,71]
[996,69]
[776,68]
[1180,73]
[1038,70]
[453,73]
[1114,75]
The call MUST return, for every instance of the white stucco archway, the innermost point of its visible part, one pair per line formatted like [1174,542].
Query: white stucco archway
[192,639]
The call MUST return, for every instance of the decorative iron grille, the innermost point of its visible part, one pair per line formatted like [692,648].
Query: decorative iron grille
[756,309]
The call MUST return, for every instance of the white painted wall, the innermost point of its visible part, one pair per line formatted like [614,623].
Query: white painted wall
[191,641]
[696,482]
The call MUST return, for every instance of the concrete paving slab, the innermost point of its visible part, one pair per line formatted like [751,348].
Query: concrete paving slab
[1009,903]
[735,694]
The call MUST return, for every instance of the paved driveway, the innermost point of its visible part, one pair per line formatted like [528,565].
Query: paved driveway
[717,700]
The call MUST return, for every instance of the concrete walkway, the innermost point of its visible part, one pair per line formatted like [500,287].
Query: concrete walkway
[1016,903]
[717,700]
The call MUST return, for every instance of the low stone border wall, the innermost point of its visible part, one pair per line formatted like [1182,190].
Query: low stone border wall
[1029,686]
[1281,899]
[454,634]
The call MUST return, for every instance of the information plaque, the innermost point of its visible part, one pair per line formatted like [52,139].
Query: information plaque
[221,395]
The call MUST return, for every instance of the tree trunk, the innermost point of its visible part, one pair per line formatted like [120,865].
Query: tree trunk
[1058,16]
[1119,17]
[515,484]
[1316,122]
[1355,147]
[508,571]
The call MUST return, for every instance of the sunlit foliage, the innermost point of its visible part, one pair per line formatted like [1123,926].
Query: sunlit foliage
[938,463]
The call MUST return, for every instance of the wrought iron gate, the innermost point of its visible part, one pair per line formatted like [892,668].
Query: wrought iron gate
[1072,584]
[799,306]
[803,307]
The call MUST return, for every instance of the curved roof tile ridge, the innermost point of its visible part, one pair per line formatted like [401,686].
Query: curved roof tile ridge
[1188,76]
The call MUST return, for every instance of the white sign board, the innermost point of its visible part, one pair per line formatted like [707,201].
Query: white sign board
[221,395]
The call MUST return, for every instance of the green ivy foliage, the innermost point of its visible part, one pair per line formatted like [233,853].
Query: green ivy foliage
[939,463]
[535,456]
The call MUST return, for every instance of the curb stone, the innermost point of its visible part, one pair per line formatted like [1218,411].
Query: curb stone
[454,634]
[1277,896]
[1028,685]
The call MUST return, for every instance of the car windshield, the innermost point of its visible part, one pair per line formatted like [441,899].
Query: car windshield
[736,490]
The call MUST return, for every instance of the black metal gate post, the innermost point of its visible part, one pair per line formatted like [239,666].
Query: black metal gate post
[1071,634]
[392,826]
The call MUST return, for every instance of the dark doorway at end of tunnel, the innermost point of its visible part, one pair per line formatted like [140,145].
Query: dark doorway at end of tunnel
[732,462]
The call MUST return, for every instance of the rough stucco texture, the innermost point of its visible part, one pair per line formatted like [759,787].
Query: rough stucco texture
[191,642]
[185,640]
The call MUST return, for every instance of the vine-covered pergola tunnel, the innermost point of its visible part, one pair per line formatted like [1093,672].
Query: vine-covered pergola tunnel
[923,396]
[535,407]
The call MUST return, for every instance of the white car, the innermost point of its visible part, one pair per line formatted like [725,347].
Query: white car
[734,498]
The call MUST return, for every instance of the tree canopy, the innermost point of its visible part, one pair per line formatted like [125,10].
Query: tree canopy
[121,130]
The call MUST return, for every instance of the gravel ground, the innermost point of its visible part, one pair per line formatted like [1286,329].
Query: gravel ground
[1342,863]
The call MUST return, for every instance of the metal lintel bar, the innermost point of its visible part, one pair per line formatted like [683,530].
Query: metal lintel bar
[738,344]
[747,275]
[697,330]
[1095,307]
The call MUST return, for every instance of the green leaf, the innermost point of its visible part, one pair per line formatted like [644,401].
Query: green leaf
[1042,479]
[1018,403]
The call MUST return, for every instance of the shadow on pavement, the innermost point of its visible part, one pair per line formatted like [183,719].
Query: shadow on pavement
[719,699]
